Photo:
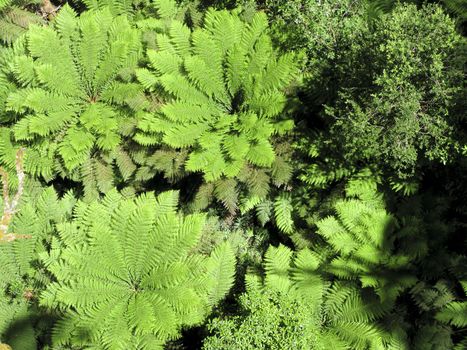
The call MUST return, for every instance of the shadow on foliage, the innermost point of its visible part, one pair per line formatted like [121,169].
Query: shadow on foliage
[29,332]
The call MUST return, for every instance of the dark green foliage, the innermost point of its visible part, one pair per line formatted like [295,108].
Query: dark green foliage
[330,34]
[367,93]
[454,312]
[401,118]
[15,18]
[441,269]
[458,8]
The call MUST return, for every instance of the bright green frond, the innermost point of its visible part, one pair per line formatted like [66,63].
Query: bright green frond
[283,214]
[221,271]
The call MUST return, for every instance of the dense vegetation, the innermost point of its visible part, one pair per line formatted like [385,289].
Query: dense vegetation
[233,174]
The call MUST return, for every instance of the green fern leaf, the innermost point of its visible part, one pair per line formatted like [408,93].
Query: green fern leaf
[221,268]
[283,214]
[277,264]
[74,121]
[454,313]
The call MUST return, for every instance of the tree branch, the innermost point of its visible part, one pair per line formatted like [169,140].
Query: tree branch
[9,206]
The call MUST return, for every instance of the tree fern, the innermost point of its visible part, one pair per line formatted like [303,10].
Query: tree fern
[126,277]
[362,235]
[224,88]
[83,115]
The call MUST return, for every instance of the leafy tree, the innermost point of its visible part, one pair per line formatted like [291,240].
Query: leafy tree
[368,101]
[402,118]
[268,320]
[125,274]
[331,34]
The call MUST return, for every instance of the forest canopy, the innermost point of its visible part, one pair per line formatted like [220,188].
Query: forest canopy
[233,174]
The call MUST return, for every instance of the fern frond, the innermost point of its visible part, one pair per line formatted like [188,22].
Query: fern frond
[166,9]
[221,267]
[358,334]
[180,37]
[264,211]
[277,264]
[454,313]
[124,163]
[226,191]
[15,21]
[203,197]
[283,214]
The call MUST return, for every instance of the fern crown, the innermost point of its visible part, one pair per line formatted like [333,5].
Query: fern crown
[225,87]
[126,276]
[73,84]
